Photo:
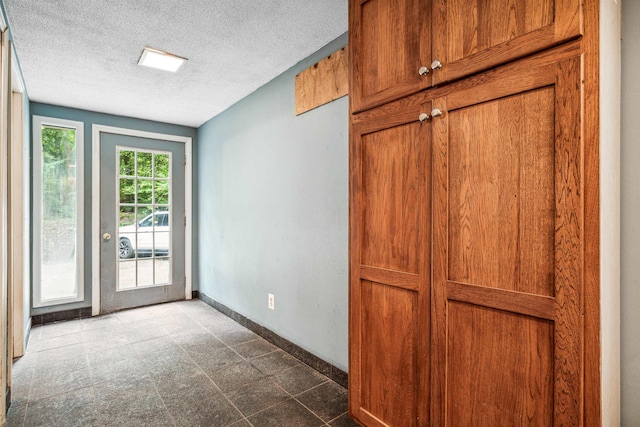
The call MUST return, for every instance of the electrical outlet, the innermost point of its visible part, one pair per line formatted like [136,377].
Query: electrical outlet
[272,302]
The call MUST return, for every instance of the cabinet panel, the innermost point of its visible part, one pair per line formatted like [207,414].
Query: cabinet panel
[389,41]
[474,35]
[501,195]
[390,234]
[389,376]
[390,193]
[481,343]
[508,248]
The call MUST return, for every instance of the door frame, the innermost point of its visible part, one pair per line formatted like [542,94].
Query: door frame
[95,204]
[19,203]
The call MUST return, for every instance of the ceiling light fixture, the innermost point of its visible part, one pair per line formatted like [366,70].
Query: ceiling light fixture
[154,58]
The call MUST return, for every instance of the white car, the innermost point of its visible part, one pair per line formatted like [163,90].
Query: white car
[147,235]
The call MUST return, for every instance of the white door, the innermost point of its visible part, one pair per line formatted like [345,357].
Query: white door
[142,221]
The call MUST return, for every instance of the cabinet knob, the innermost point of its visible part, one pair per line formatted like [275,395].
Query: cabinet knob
[423,71]
[436,112]
[423,117]
[436,65]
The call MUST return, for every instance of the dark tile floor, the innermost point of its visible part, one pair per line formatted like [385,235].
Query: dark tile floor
[178,364]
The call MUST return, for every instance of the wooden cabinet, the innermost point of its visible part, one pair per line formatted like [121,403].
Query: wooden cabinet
[390,268]
[508,247]
[475,261]
[475,35]
[391,40]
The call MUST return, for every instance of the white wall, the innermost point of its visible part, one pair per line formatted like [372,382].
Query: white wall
[630,216]
[610,209]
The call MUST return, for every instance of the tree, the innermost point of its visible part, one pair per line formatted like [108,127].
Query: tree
[59,172]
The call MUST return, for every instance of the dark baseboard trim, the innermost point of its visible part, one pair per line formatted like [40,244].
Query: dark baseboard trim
[59,316]
[195,294]
[325,368]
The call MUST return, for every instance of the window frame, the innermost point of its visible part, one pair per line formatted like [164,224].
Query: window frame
[38,123]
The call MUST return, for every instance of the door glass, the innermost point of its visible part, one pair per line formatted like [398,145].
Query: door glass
[144,232]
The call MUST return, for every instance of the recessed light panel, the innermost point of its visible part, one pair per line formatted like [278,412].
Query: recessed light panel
[154,58]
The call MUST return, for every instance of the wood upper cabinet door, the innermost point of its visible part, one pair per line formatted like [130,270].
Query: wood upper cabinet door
[390,268]
[474,35]
[508,247]
[389,42]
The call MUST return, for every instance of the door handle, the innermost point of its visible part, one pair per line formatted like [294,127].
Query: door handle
[106,237]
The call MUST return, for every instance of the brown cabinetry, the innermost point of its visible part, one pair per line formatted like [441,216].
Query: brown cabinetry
[390,268]
[401,47]
[508,244]
[473,271]
[390,42]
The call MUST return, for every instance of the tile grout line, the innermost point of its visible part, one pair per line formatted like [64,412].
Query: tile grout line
[164,404]
[193,316]
[291,397]
[305,406]
[270,377]
[212,382]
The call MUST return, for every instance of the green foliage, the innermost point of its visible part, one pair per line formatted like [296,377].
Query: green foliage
[147,175]
[59,172]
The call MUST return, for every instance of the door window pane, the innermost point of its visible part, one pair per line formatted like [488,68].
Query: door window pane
[144,227]
[144,164]
[161,192]
[127,163]
[145,191]
[161,166]
[127,191]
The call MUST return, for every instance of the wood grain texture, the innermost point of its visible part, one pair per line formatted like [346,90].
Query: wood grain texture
[569,280]
[323,82]
[390,234]
[390,333]
[593,412]
[389,42]
[500,368]
[501,195]
[440,214]
[471,36]
[390,176]
[500,299]
[514,320]
[515,77]
[407,281]
[508,208]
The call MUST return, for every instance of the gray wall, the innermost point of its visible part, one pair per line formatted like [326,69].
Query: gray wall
[630,259]
[273,213]
[90,118]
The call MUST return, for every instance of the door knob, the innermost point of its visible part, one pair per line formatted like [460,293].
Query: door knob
[423,71]
[106,236]
[436,64]
[436,112]
[423,117]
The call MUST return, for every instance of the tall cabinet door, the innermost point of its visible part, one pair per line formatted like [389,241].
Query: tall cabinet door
[475,35]
[389,42]
[390,268]
[508,248]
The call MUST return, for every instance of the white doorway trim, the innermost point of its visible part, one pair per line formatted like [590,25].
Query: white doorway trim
[95,205]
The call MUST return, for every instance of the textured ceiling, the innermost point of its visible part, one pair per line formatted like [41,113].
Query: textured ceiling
[84,53]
